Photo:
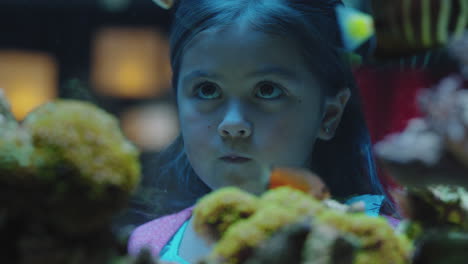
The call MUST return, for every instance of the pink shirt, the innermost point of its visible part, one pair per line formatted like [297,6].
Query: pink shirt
[155,234]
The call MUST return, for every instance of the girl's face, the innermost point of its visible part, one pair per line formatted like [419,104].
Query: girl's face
[247,94]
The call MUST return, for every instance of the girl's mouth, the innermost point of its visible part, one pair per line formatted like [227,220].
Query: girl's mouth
[235,159]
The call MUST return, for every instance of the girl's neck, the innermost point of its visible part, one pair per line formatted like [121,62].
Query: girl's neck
[193,247]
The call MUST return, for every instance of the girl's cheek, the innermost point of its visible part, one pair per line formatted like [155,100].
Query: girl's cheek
[286,135]
[190,117]
[196,127]
[272,135]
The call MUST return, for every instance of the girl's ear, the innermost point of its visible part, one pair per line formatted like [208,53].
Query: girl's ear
[333,111]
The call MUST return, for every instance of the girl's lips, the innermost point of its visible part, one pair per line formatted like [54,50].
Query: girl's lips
[235,159]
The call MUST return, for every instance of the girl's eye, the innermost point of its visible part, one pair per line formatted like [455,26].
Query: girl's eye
[269,91]
[207,91]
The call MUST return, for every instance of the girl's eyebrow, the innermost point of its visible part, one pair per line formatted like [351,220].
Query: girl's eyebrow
[265,70]
[274,70]
[200,73]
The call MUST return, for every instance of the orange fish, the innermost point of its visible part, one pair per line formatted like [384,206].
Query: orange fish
[300,179]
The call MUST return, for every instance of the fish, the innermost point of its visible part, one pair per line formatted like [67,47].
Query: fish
[299,179]
[166,4]
[403,27]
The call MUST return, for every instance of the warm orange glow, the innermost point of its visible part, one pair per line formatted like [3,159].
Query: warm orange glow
[28,79]
[130,62]
[151,127]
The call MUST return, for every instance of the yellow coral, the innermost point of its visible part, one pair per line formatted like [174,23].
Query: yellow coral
[217,211]
[376,240]
[84,138]
[242,237]
[379,242]
[295,200]
[276,209]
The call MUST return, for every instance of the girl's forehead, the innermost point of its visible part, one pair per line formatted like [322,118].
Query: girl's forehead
[229,46]
[239,35]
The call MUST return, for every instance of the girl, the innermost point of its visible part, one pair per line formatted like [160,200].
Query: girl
[259,83]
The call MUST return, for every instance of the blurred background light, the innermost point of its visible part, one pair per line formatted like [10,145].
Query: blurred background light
[130,63]
[151,127]
[28,79]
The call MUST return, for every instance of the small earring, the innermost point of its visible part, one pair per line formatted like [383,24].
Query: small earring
[327,130]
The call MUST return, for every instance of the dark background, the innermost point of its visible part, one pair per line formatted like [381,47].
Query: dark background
[64,29]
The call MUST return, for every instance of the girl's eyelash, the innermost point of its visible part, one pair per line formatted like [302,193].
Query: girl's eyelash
[272,82]
[197,90]
[285,91]
[198,84]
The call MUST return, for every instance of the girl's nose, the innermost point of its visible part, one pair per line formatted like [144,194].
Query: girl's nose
[234,131]
[234,125]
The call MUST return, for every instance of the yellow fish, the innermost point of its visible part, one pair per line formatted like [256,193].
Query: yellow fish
[403,27]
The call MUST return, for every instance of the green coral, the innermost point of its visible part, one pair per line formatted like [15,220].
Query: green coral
[440,205]
[455,197]
[412,229]
[16,168]
[16,149]
[15,144]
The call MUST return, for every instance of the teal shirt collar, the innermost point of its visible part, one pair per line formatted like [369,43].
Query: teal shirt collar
[372,203]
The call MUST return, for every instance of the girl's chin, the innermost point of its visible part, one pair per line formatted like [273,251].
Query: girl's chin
[255,186]
[251,178]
